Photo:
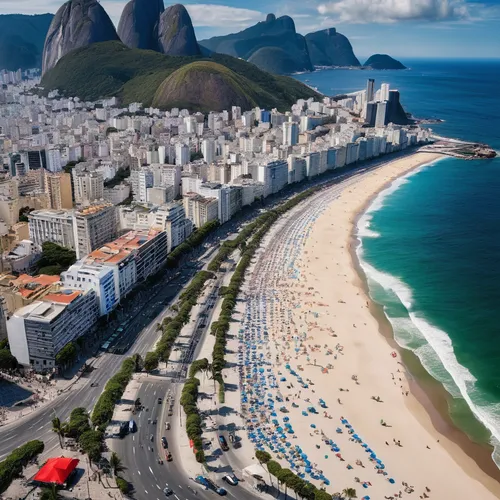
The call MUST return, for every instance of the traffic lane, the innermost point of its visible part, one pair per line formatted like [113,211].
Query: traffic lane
[146,474]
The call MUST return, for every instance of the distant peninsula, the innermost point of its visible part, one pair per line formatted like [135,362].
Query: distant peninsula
[383,61]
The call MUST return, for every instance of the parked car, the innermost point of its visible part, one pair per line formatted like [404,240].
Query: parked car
[132,426]
[164,442]
[223,443]
[230,479]
[160,401]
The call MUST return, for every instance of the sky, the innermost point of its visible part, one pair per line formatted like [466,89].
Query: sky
[405,29]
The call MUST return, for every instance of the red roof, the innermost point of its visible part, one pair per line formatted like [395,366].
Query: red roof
[56,470]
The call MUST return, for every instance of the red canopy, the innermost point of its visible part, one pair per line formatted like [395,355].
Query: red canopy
[56,470]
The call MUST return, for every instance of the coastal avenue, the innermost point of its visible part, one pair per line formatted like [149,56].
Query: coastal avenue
[141,335]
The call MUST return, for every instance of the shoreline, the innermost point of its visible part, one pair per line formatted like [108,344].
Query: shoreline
[308,325]
[429,393]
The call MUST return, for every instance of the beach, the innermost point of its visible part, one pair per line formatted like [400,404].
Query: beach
[322,388]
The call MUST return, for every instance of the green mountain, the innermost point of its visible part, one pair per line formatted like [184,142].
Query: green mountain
[330,48]
[383,61]
[111,69]
[271,34]
[21,40]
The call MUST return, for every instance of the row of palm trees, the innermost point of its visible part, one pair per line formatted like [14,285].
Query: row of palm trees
[302,489]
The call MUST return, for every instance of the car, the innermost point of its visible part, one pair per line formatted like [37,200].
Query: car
[164,442]
[230,479]
[223,443]
[167,491]
[168,456]
[221,491]
[160,401]
[132,426]
[151,437]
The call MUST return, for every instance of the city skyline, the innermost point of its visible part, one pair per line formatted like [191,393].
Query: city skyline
[405,28]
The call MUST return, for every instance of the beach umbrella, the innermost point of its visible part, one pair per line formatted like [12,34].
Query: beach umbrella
[391,480]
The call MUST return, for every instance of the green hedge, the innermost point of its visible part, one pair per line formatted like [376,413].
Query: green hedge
[122,484]
[113,391]
[12,466]
[189,397]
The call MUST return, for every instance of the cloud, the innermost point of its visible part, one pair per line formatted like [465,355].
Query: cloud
[222,16]
[389,11]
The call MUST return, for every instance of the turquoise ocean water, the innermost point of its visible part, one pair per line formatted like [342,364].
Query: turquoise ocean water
[430,244]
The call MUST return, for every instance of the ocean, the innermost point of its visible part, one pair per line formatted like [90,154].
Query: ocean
[430,243]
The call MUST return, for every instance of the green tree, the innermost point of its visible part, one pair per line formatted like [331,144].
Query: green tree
[55,255]
[274,468]
[91,444]
[78,423]
[151,361]
[116,463]
[58,428]
[349,493]
[67,355]
[139,362]
[7,360]
[283,477]
[50,493]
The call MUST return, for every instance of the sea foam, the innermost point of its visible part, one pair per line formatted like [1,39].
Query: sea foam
[429,343]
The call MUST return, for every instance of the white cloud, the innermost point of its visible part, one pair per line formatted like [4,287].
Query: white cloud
[222,16]
[388,11]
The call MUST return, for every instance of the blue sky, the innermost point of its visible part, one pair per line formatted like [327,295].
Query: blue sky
[403,28]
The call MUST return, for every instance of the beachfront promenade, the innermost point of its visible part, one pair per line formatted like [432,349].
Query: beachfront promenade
[321,389]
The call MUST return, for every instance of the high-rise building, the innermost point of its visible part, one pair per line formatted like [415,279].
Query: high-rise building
[89,187]
[371,113]
[370,86]
[381,119]
[54,163]
[37,332]
[290,133]
[384,92]
[58,189]
[200,210]
[209,149]
[94,226]
[181,154]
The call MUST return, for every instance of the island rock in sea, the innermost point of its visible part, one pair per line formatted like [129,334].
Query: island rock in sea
[78,23]
[138,26]
[383,61]
[176,33]
[330,48]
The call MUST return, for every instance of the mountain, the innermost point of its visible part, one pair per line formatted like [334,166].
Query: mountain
[111,69]
[138,26]
[383,61]
[21,40]
[330,48]
[77,23]
[176,33]
[282,47]
[205,86]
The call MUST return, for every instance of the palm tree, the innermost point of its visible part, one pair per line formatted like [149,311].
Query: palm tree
[116,463]
[58,428]
[349,493]
[50,493]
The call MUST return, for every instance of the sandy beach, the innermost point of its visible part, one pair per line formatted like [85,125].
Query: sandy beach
[321,388]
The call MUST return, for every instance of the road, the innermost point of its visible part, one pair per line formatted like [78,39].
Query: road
[148,308]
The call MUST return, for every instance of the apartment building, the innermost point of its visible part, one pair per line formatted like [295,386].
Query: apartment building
[38,331]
